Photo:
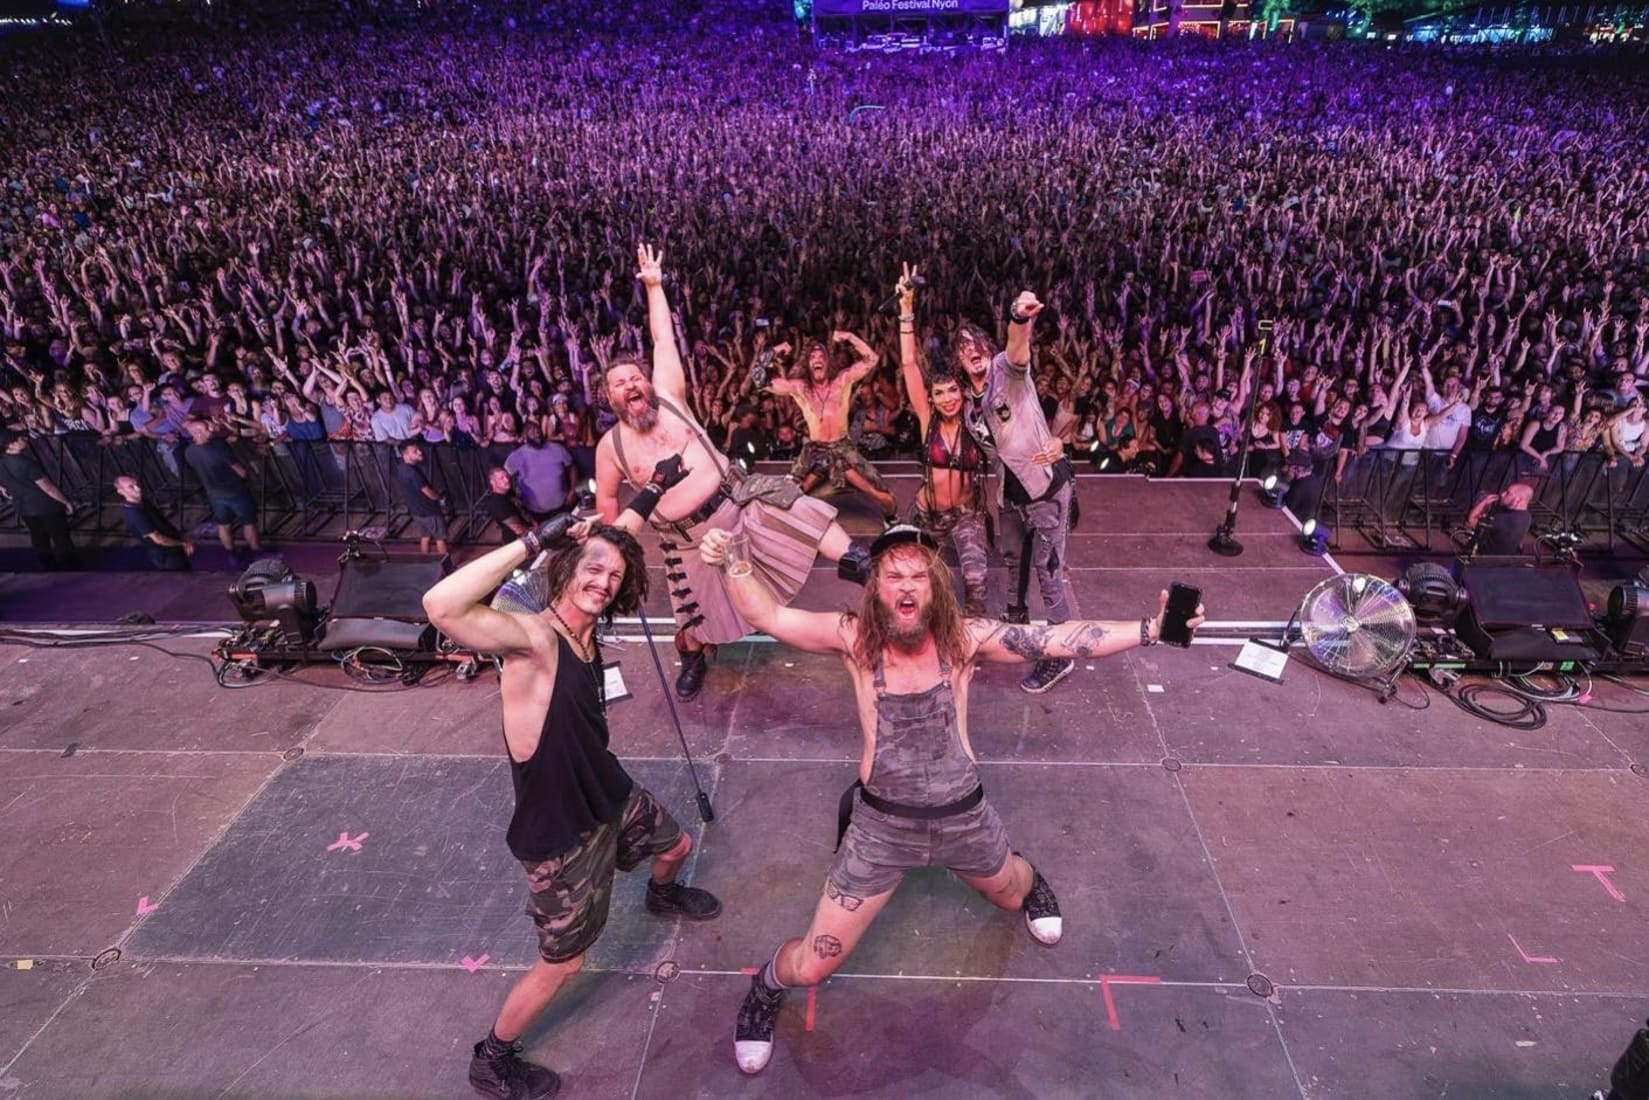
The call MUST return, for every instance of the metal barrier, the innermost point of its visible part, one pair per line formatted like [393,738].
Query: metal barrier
[1410,500]
[1397,500]
[303,490]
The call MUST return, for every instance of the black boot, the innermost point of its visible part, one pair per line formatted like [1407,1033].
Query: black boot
[691,679]
[509,1076]
[854,565]
[675,900]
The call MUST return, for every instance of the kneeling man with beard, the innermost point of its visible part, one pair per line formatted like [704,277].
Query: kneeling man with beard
[656,439]
[918,801]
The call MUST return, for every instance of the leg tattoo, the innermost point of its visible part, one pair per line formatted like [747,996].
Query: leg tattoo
[846,901]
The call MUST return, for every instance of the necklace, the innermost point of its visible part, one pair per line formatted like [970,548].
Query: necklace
[591,658]
[584,654]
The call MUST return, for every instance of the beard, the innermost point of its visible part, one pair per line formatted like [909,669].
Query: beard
[900,635]
[645,420]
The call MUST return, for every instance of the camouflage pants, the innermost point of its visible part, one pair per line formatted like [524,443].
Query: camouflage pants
[966,530]
[571,893]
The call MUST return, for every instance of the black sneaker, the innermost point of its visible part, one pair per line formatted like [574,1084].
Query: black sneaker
[508,1076]
[1042,911]
[753,1038]
[675,900]
[1048,672]
[691,679]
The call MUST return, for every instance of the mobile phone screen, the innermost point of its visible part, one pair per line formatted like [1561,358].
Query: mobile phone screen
[1182,605]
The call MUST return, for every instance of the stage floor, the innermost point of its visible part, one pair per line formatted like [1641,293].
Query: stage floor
[1270,890]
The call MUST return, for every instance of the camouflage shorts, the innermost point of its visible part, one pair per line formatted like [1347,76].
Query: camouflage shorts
[571,893]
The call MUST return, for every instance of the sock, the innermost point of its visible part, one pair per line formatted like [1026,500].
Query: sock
[494,1047]
[769,976]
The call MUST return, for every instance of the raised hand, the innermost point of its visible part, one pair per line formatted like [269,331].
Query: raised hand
[650,266]
[1025,307]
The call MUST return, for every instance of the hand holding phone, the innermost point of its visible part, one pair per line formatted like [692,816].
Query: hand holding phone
[1181,614]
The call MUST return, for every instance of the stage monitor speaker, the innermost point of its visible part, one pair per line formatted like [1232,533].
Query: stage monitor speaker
[380,602]
[1526,613]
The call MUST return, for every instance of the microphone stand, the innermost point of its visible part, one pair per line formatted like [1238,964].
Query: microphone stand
[1224,542]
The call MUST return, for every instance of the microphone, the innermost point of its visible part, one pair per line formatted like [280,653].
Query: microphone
[893,299]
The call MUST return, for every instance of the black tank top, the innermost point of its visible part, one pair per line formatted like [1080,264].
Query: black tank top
[571,783]
[1544,438]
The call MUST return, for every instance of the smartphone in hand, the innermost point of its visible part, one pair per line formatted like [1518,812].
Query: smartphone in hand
[1183,601]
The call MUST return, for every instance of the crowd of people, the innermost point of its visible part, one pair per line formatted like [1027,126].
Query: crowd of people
[386,233]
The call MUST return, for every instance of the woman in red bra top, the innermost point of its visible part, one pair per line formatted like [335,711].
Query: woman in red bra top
[951,501]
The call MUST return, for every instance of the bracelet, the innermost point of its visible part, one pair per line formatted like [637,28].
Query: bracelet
[903,317]
[1145,638]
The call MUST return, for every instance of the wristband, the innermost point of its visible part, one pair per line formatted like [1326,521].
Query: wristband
[645,500]
[1145,638]
[533,544]
[1016,318]
[905,318]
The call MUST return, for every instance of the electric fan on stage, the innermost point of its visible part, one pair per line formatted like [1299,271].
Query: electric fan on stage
[1358,627]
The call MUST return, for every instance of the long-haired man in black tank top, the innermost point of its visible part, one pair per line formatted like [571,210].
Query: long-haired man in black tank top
[918,802]
[578,815]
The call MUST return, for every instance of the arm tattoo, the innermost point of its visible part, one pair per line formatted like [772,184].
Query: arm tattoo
[827,947]
[846,901]
[1027,642]
[1084,639]
[1032,643]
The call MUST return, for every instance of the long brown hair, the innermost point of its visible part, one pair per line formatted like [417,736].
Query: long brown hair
[631,591]
[949,630]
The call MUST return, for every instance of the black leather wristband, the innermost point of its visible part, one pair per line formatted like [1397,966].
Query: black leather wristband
[1145,632]
[645,500]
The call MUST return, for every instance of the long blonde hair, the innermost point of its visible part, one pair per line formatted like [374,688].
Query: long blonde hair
[949,630]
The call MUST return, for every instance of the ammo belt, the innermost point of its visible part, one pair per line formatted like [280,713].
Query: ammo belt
[844,810]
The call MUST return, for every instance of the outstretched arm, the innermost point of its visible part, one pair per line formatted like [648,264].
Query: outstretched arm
[1009,643]
[668,377]
[811,631]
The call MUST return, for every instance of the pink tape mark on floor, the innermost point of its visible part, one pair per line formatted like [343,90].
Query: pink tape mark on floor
[1106,981]
[344,842]
[1601,872]
[1528,958]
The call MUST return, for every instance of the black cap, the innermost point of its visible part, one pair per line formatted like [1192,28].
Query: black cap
[899,535]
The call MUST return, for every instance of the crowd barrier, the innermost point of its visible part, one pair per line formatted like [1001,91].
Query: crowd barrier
[302,490]
[1419,500]
[1396,500]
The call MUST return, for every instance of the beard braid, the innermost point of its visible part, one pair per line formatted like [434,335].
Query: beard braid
[645,420]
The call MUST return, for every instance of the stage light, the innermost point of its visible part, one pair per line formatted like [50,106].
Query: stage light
[269,591]
[1625,622]
[1314,538]
[1431,591]
[1272,491]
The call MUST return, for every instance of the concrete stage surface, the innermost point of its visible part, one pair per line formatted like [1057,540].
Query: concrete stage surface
[1270,890]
